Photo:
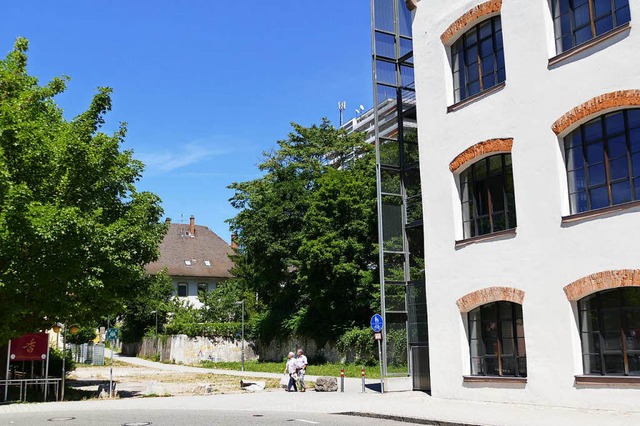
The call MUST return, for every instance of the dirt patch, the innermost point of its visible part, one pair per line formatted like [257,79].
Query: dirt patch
[143,381]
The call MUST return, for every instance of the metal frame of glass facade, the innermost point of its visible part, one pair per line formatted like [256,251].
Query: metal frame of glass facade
[400,225]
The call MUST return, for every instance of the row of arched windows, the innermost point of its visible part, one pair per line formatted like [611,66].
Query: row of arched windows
[477,56]
[602,159]
[609,330]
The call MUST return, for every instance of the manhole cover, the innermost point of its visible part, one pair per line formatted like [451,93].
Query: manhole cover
[136,424]
[60,419]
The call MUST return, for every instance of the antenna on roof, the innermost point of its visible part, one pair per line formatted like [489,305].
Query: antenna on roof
[342,105]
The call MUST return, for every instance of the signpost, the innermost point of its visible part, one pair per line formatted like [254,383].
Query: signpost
[377,324]
[112,335]
[30,347]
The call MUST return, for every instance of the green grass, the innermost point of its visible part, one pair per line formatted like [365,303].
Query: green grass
[327,369]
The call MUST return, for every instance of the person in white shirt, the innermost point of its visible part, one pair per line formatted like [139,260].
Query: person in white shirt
[301,363]
[291,368]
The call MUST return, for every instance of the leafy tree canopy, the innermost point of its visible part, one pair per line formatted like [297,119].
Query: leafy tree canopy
[307,234]
[148,309]
[74,232]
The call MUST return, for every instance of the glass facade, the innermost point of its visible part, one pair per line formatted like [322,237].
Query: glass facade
[403,292]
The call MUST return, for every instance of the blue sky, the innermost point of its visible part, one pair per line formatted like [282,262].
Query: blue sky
[205,85]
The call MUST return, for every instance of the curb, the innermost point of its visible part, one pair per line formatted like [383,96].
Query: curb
[402,419]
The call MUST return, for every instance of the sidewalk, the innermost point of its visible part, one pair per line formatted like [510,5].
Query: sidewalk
[407,405]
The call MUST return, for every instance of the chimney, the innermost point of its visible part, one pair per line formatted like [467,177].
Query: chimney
[192,225]
[234,241]
[167,220]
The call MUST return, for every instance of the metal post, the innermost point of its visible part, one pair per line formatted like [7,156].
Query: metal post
[241,303]
[6,383]
[242,306]
[46,372]
[64,358]
[111,372]
[342,380]
[380,362]
[363,385]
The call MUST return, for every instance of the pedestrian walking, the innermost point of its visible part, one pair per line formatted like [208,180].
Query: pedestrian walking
[290,369]
[301,363]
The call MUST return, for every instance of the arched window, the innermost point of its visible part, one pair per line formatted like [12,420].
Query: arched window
[610,332]
[488,196]
[578,21]
[496,340]
[603,161]
[478,59]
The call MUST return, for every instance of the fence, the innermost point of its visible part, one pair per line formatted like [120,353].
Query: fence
[88,353]
[24,384]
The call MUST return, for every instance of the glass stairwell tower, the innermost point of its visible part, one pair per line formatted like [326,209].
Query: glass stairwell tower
[400,225]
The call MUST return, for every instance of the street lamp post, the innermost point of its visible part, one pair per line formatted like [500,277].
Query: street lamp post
[156,312]
[241,303]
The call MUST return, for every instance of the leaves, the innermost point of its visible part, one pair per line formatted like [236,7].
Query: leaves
[307,234]
[74,232]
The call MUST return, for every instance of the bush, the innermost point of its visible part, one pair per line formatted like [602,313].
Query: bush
[84,335]
[397,347]
[226,330]
[358,345]
[55,362]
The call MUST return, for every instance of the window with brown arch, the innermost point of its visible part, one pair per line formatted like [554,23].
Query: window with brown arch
[578,21]
[610,332]
[488,196]
[478,59]
[603,161]
[496,340]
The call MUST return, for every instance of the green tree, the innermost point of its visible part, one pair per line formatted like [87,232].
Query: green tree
[220,305]
[74,232]
[142,310]
[307,234]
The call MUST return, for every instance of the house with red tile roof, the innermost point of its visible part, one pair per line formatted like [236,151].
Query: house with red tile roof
[196,259]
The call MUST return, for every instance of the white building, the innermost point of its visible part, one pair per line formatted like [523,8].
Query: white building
[529,123]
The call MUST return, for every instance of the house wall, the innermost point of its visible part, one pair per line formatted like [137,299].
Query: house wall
[192,288]
[545,255]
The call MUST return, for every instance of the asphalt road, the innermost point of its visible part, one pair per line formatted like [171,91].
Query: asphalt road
[183,418]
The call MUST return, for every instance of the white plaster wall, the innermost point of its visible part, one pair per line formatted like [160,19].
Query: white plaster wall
[544,256]
[192,288]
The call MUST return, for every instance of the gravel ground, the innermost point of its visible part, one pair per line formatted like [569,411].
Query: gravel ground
[144,381]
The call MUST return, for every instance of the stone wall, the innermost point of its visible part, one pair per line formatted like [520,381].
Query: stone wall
[183,349]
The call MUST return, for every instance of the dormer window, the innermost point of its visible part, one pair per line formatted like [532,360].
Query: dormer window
[207,263]
[187,262]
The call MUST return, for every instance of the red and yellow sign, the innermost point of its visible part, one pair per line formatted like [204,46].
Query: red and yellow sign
[30,347]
